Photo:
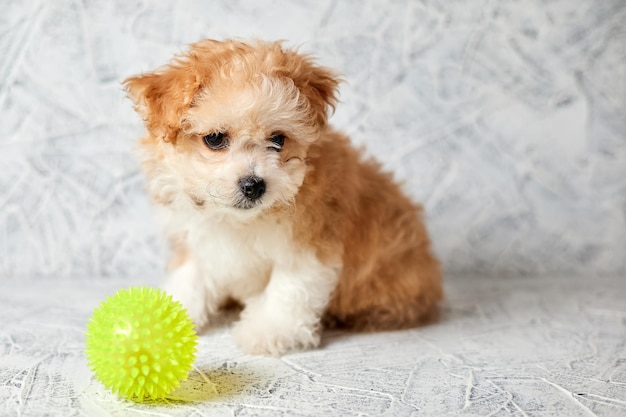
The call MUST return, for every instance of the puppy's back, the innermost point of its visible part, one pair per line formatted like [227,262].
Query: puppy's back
[389,279]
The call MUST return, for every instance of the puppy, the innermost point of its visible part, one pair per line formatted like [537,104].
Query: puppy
[266,205]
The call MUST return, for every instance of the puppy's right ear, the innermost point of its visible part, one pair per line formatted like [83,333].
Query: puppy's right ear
[163,96]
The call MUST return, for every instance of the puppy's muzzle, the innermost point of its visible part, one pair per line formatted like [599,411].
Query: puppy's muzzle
[252,187]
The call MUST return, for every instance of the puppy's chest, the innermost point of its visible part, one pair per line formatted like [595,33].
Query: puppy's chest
[232,252]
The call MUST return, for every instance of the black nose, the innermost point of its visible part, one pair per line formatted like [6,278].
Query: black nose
[252,187]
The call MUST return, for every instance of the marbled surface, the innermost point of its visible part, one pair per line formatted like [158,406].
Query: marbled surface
[503,347]
[507,119]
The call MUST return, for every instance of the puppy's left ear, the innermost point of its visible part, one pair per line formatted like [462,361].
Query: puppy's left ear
[318,84]
[162,97]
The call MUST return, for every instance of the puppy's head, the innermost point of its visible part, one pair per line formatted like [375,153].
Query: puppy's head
[229,123]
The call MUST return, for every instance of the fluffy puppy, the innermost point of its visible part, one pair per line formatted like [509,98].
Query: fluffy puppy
[266,205]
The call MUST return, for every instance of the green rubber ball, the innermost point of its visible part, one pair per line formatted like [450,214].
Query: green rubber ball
[140,343]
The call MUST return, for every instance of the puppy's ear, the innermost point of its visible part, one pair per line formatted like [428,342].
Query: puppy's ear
[161,97]
[318,84]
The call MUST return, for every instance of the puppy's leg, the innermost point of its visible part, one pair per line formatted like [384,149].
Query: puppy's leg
[185,285]
[286,315]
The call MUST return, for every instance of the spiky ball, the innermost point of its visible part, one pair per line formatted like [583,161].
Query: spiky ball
[141,343]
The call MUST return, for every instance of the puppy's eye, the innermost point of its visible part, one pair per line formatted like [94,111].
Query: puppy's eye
[216,141]
[278,141]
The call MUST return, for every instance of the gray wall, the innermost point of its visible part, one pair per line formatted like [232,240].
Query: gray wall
[507,119]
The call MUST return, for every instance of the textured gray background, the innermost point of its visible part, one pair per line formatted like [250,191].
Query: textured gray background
[507,119]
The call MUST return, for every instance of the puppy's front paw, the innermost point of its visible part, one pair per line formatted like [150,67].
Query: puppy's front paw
[257,337]
[196,308]
[192,299]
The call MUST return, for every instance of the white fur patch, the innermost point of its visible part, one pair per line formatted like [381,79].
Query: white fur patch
[284,288]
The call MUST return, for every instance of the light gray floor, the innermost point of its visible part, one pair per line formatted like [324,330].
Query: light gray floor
[504,347]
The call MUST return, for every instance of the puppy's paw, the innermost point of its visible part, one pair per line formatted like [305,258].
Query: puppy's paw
[196,308]
[257,337]
[193,302]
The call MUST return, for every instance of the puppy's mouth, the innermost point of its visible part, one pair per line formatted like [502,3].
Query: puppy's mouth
[241,202]
[246,204]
